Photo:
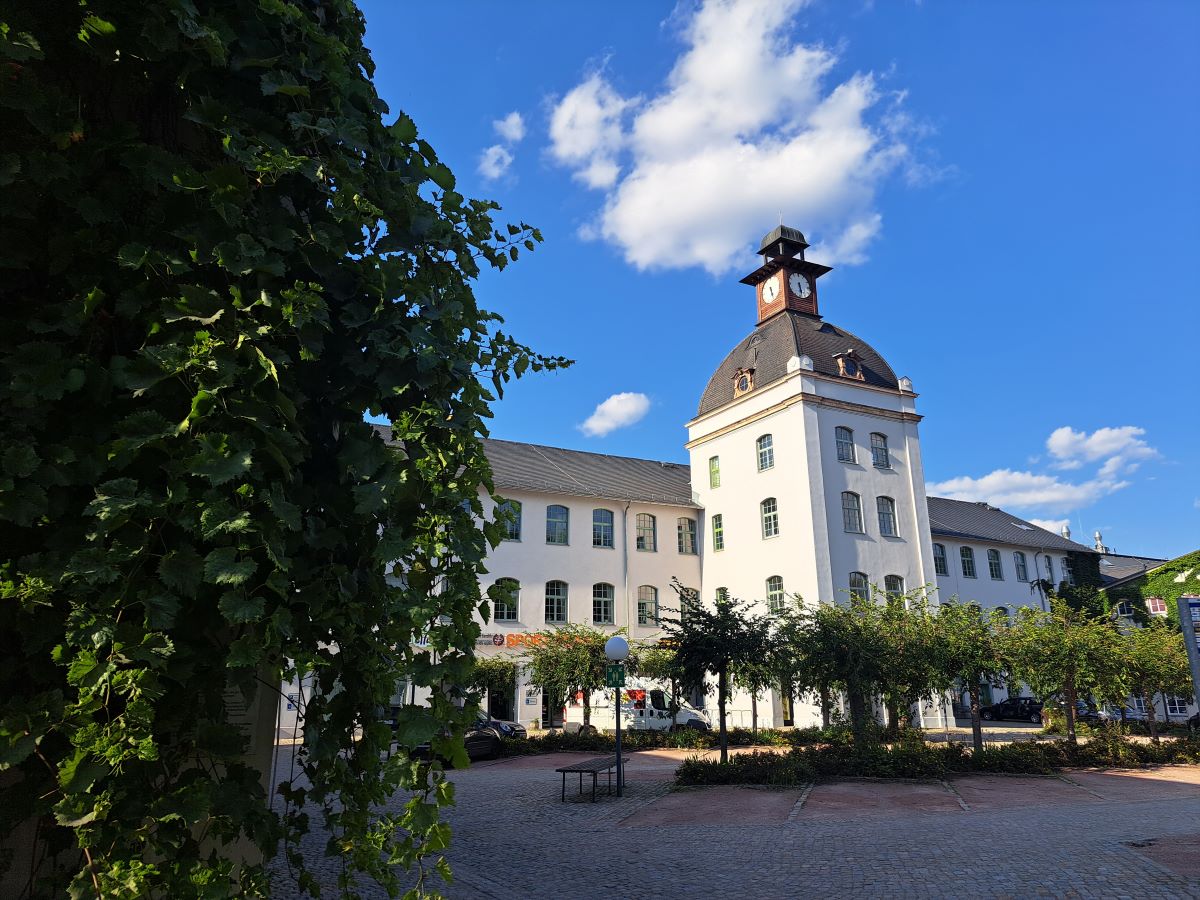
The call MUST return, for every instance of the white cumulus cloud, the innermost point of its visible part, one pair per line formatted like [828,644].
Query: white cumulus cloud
[1052,525]
[494,162]
[511,128]
[745,128]
[617,411]
[1122,448]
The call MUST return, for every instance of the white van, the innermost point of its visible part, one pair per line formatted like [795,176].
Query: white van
[645,706]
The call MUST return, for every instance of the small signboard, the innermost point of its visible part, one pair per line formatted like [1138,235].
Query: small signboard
[1189,620]
[614,676]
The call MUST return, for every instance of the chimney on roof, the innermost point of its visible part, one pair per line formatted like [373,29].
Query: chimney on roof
[1099,545]
[1066,532]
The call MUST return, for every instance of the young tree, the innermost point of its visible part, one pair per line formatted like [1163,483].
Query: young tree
[973,649]
[717,641]
[216,257]
[568,659]
[493,675]
[1155,661]
[1067,654]
[657,662]
[911,639]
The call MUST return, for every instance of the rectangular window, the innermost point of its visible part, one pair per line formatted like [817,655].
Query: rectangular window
[939,560]
[647,532]
[967,555]
[1021,566]
[647,605]
[994,569]
[1050,570]
[512,524]
[505,596]
[556,602]
[1068,570]
[1156,606]
[851,513]
[718,532]
[602,604]
[879,451]
[557,520]
[1138,704]
[686,531]
[602,527]
[770,517]
[766,452]
[844,438]
[1176,706]
[887,516]
[714,471]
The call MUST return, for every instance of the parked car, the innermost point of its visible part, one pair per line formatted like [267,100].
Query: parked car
[1090,714]
[482,738]
[1025,709]
[505,727]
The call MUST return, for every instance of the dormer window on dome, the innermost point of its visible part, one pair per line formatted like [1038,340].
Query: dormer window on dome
[849,365]
[743,382]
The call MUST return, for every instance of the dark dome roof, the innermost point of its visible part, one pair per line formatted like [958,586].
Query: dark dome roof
[769,347]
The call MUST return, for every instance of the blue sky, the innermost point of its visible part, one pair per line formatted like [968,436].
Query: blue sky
[1008,194]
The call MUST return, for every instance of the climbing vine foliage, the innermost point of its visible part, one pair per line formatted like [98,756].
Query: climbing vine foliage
[215,256]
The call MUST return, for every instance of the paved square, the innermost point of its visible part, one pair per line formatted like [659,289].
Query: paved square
[1090,834]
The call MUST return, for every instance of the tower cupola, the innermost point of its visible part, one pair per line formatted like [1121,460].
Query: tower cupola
[785,280]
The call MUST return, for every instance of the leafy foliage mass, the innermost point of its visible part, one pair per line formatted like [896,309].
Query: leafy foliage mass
[214,257]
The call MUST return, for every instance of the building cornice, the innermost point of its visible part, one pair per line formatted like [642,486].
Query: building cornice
[812,400]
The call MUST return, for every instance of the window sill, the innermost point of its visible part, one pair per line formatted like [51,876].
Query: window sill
[603,547]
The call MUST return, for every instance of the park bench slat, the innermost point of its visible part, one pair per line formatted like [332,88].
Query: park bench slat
[591,767]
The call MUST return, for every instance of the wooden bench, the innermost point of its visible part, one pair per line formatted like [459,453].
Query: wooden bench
[591,767]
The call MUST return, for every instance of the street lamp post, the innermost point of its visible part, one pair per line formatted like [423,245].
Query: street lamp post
[616,648]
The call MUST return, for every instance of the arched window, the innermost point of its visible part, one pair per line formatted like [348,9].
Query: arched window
[893,585]
[886,508]
[647,532]
[967,555]
[718,532]
[879,451]
[602,603]
[1049,570]
[602,527]
[766,452]
[1003,610]
[722,594]
[1021,565]
[770,517]
[844,438]
[851,513]
[557,524]
[859,586]
[775,598]
[939,560]
[556,602]
[995,570]
[686,531]
[505,595]
[647,605]
[511,511]
[714,471]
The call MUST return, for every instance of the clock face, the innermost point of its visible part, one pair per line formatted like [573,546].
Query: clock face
[799,285]
[770,291]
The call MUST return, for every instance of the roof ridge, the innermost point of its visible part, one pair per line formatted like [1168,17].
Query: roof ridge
[661,462]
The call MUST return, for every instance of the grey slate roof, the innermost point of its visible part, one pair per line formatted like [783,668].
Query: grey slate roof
[979,521]
[535,468]
[532,467]
[1114,568]
[768,348]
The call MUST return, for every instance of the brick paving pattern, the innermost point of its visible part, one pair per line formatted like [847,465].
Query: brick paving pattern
[1088,835]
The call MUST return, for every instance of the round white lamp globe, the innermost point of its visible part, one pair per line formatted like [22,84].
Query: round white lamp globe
[616,648]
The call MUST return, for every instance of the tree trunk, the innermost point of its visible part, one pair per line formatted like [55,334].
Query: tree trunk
[722,687]
[1069,690]
[754,715]
[858,714]
[976,725]
[1151,719]
[826,702]
[893,714]
[1166,712]
[587,710]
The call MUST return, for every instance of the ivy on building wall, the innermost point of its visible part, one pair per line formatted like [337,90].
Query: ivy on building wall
[1168,582]
[215,256]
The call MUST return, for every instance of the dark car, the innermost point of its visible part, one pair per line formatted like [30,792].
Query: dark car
[504,727]
[1090,714]
[1026,709]
[482,738]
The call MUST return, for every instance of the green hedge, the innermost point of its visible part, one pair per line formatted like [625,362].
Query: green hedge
[684,739]
[911,760]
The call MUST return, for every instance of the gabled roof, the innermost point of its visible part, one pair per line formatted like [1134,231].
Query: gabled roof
[981,522]
[768,348]
[1115,569]
[532,467]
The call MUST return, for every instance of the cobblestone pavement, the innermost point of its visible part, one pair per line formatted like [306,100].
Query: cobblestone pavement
[1087,835]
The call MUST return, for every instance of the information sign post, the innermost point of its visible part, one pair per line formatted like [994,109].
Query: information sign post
[1189,619]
